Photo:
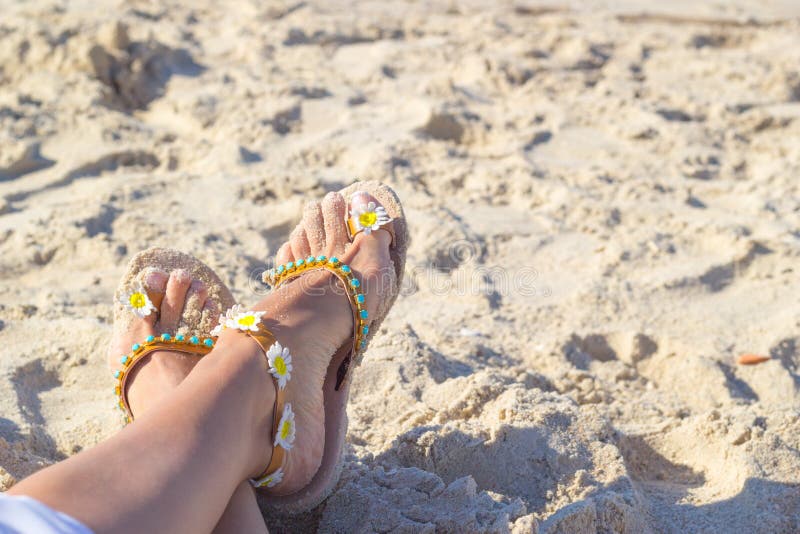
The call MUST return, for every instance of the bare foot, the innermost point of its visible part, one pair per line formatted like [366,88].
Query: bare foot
[312,316]
[161,371]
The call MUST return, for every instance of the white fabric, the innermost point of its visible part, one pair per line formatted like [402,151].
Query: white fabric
[23,515]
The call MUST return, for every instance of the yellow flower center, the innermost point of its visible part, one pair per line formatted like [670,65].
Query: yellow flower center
[247,320]
[280,366]
[285,429]
[138,300]
[368,218]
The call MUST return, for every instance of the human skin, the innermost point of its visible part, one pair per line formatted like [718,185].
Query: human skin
[177,466]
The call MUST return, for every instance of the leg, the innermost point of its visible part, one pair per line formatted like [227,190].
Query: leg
[242,514]
[178,294]
[176,467]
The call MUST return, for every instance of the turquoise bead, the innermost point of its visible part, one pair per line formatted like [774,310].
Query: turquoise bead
[360,299]
[135,347]
[321,258]
[345,269]
[123,359]
[300,262]
[310,259]
[194,340]
[116,374]
[281,269]
[208,342]
[334,260]
[150,339]
[364,314]
[365,330]
[289,265]
[354,282]
[180,337]
[166,337]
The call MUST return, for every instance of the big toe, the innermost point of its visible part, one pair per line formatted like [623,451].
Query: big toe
[154,283]
[369,256]
[369,220]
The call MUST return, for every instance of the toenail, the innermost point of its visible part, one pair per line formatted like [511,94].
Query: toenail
[154,278]
[359,195]
[181,275]
[198,285]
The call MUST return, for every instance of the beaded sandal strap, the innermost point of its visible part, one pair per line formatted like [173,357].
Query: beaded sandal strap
[150,345]
[284,273]
[266,340]
[279,364]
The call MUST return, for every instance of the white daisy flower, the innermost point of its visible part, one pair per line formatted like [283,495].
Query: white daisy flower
[285,435]
[270,480]
[280,363]
[138,302]
[369,217]
[244,321]
[226,320]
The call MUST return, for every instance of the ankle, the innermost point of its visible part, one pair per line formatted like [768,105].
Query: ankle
[242,364]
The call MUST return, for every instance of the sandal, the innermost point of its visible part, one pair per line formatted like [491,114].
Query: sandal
[337,384]
[194,332]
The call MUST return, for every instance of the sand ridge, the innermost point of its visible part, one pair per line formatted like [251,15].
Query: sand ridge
[604,209]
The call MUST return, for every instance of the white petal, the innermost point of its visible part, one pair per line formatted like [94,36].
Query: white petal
[282,381]
[270,480]
[141,312]
[275,478]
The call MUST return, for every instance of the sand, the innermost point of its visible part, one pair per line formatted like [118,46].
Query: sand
[604,201]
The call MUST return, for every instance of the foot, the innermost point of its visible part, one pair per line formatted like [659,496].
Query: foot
[161,371]
[312,316]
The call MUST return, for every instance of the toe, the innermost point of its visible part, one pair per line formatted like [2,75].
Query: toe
[284,254]
[364,204]
[155,283]
[211,313]
[195,299]
[174,300]
[314,225]
[299,242]
[333,213]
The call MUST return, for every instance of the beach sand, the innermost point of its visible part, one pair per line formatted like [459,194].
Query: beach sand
[604,201]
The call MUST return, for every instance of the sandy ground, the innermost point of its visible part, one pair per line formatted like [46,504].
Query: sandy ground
[604,200]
